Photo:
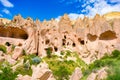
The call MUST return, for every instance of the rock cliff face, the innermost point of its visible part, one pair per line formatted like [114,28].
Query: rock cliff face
[90,38]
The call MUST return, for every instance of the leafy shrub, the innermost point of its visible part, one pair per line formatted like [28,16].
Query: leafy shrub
[13,47]
[64,69]
[24,70]
[115,53]
[68,53]
[49,52]
[6,71]
[33,59]
[36,60]
[99,63]
[114,71]
[8,74]
[3,48]
[23,52]
[62,52]
[62,73]
[27,65]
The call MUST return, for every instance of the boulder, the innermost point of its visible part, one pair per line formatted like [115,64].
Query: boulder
[77,74]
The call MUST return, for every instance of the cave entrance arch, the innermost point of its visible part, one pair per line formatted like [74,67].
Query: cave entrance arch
[13,32]
[108,35]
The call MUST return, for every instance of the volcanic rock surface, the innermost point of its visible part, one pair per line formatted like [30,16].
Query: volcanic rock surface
[90,38]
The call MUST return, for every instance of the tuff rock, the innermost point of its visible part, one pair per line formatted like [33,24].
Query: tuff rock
[90,38]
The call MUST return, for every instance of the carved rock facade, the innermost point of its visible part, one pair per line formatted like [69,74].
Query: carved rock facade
[90,38]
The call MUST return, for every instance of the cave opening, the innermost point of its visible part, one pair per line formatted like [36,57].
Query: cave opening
[55,48]
[47,41]
[13,32]
[64,36]
[82,42]
[108,35]
[73,44]
[63,42]
[91,37]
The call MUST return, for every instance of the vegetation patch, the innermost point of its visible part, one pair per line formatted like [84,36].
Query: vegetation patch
[111,61]
[25,69]
[6,73]
[61,67]
[32,59]
[29,60]
[3,48]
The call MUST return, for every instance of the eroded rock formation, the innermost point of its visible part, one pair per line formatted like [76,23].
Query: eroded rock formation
[90,38]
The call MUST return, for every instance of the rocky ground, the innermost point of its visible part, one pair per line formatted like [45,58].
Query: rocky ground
[66,66]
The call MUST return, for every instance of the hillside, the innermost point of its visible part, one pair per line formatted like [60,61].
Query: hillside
[86,49]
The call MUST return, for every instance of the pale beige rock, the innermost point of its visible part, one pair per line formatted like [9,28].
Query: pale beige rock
[2,58]
[4,20]
[77,74]
[40,71]
[98,75]
[10,59]
[1,53]
[90,38]
[21,77]
[17,52]
[92,76]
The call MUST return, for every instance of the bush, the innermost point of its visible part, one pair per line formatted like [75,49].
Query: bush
[114,73]
[99,63]
[24,69]
[3,48]
[62,52]
[23,52]
[49,52]
[32,58]
[13,47]
[8,74]
[36,60]
[6,71]
[62,73]
[115,53]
